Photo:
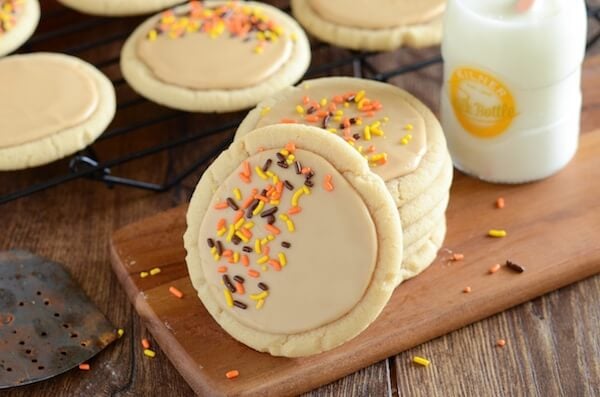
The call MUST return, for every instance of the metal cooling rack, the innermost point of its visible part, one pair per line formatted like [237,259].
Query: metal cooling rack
[86,164]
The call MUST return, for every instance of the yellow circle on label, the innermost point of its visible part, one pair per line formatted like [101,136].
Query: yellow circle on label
[483,105]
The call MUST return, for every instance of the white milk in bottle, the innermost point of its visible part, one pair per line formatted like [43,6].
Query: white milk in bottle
[511,100]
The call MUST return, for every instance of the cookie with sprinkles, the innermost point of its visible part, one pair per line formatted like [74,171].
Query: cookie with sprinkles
[67,103]
[394,132]
[18,20]
[215,56]
[114,8]
[292,242]
[373,25]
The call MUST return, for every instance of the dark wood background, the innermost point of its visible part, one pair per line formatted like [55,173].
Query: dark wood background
[553,344]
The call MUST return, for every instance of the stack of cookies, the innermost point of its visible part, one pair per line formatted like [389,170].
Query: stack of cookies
[399,136]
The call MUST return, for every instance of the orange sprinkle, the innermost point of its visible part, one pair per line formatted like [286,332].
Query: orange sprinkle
[221,206]
[371,149]
[262,198]
[494,268]
[250,199]
[290,147]
[332,107]
[238,215]
[457,257]
[370,113]
[467,290]
[246,233]
[245,260]
[227,253]
[328,185]
[323,113]
[294,210]
[312,118]
[346,122]
[304,171]
[244,178]
[266,250]
[222,269]
[175,292]
[221,223]
[253,273]
[288,121]
[500,203]
[84,367]
[272,229]
[246,168]
[500,342]
[305,100]
[338,99]
[145,343]
[234,373]
[275,264]
[239,288]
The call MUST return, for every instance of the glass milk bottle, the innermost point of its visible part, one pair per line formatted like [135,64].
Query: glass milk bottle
[511,100]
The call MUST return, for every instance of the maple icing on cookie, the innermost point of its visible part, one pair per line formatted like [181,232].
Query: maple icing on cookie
[43,94]
[378,14]
[287,244]
[9,14]
[228,46]
[376,121]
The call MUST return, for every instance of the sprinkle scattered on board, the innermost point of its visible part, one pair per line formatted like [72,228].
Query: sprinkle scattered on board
[515,267]
[500,343]
[467,290]
[149,353]
[457,257]
[500,203]
[421,361]
[175,292]
[84,367]
[497,233]
[145,343]
[151,272]
[494,268]
[234,373]
[120,332]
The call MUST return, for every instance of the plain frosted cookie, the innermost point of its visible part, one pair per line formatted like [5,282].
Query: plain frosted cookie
[215,56]
[372,25]
[399,136]
[52,106]
[293,245]
[18,20]
[119,7]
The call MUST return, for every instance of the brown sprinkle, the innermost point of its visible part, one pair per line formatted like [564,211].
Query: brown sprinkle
[263,286]
[239,279]
[288,185]
[282,164]
[271,220]
[239,304]
[232,204]
[247,249]
[236,240]
[356,136]
[268,212]
[228,283]
[285,244]
[267,165]
[219,248]
[211,242]
[515,267]
[326,120]
[280,157]
[298,167]
[309,183]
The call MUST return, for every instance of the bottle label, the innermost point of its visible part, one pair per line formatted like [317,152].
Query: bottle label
[482,103]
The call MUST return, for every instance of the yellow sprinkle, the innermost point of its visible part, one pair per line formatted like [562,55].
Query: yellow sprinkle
[260,173]
[270,237]
[237,193]
[270,174]
[409,127]
[236,255]
[282,259]
[346,105]
[376,124]
[359,96]
[274,202]
[293,37]
[285,152]
[359,121]
[332,130]
[264,241]
[291,157]
[216,257]
[262,260]
[239,223]
[284,217]
[296,197]
[339,113]
[120,332]
[337,118]
[259,296]
[221,232]
[275,179]
[290,225]
[260,304]
[144,274]
[299,109]
[213,250]
[258,49]
[155,271]
[360,149]
[257,246]
[497,233]
[259,208]
[231,232]
[377,131]
[367,133]
[306,190]
[242,236]
[228,297]
[421,361]
[152,35]
[149,353]
[323,102]
[361,103]
[264,111]
[249,225]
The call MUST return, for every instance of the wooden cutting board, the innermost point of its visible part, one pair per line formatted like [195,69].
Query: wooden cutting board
[553,231]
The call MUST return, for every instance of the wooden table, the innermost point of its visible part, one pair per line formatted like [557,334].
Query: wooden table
[553,342]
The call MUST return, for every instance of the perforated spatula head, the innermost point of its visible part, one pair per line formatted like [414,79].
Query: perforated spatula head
[47,323]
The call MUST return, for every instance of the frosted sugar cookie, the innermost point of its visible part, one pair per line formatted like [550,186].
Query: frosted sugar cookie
[398,135]
[215,56]
[18,20]
[52,105]
[373,25]
[119,7]
[279,221]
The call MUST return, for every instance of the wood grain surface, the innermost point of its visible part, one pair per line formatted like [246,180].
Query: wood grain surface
[553,342]
[203,352]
